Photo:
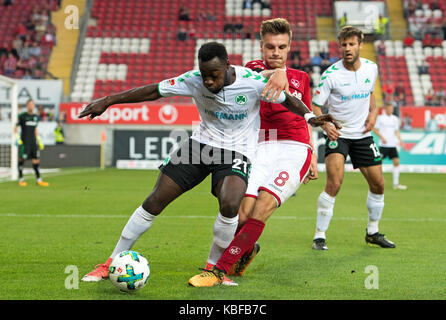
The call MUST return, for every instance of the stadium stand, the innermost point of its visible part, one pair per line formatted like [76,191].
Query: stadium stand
[26,31]
[130,38]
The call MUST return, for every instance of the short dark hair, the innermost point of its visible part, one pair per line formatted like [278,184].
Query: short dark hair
[349,31]
[210,50]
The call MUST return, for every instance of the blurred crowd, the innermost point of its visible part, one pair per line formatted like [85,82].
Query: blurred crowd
[26,57]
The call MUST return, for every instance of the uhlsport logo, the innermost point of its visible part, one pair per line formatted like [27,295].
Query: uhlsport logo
[168,114]
[333,144]
[241,99]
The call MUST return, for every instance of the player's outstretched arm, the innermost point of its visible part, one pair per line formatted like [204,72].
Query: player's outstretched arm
[97,107]
[298,107]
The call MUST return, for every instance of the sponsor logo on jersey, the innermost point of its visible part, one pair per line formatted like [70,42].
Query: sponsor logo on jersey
[356,96]
[241,99]
[297,94]
[227,116]
[295,83]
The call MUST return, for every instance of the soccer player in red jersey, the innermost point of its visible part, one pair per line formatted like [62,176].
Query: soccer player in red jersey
[285,158]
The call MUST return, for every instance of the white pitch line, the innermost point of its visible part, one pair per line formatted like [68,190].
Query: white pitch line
[53,174]
[104,216]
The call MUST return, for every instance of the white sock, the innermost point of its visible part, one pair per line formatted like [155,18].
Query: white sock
[138,224]
[224,231]
[325,205]
[396,175]
[375,206]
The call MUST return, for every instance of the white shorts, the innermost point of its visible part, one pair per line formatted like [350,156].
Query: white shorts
[279,168]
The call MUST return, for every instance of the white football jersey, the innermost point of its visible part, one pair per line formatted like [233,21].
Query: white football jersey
[229,119]
[387,126]
[347,95]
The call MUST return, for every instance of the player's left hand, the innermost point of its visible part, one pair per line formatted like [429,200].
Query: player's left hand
[95,108]
[313,174]
[277,83]
[369,123]
[320,120]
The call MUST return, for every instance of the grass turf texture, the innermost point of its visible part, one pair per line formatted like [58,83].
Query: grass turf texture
[78,219]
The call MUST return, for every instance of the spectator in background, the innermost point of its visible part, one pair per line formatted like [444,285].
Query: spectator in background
[182,34]
[325,64]
[423,68]
[408,40]
[247,4]
[429,97]
[266,4]
[427,40]
[388,91]
[184,14]
[431,124]
[7,3]
[10,65]
[295,63]
[406,123]
[4,50]
[27,75]
[35,49]
[59,135]
[381,48]
[441,95]
[381,27]
[43,115]
[21,31]
[399,96]
[316,60]
[343,20]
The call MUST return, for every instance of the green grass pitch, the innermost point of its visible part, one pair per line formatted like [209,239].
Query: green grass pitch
[78,219]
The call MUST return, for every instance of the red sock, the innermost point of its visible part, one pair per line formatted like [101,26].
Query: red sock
[243,242]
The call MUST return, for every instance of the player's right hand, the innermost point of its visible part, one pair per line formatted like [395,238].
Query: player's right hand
[18,141]
[95,108]
[327,121]
[331,131]
[277,83]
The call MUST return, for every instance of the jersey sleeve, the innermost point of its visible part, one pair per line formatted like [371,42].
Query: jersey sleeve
[182,85]
[255,65]
[259,82]
[306,98]
[375,76]
[323,90]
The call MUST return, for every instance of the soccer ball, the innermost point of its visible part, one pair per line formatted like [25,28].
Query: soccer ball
[129,271]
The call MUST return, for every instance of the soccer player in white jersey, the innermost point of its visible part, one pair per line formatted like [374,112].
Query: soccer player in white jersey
[387,128]
[227,98]
[282,163]
[346,88]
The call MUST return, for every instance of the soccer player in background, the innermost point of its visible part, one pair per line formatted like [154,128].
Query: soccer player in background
[284,157]
[227,98]
[29,142]
[346,88]
[387,129]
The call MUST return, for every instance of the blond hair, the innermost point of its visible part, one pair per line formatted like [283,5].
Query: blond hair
[275,26]
[348,32]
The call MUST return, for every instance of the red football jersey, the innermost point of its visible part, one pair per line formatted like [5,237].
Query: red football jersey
[289,125]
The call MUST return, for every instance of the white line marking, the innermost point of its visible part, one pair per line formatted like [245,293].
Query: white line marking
[111,216]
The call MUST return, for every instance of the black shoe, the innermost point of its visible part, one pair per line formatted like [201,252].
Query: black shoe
[319,244]
[379,239]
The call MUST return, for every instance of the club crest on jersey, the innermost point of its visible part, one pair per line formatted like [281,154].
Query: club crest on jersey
[241,99]
[333,144]
[295,83]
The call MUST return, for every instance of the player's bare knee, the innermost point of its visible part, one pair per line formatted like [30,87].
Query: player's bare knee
[153,205]
[333,187]
[377,187]
[229,208]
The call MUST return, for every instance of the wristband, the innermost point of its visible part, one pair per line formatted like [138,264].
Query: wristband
[309,115]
